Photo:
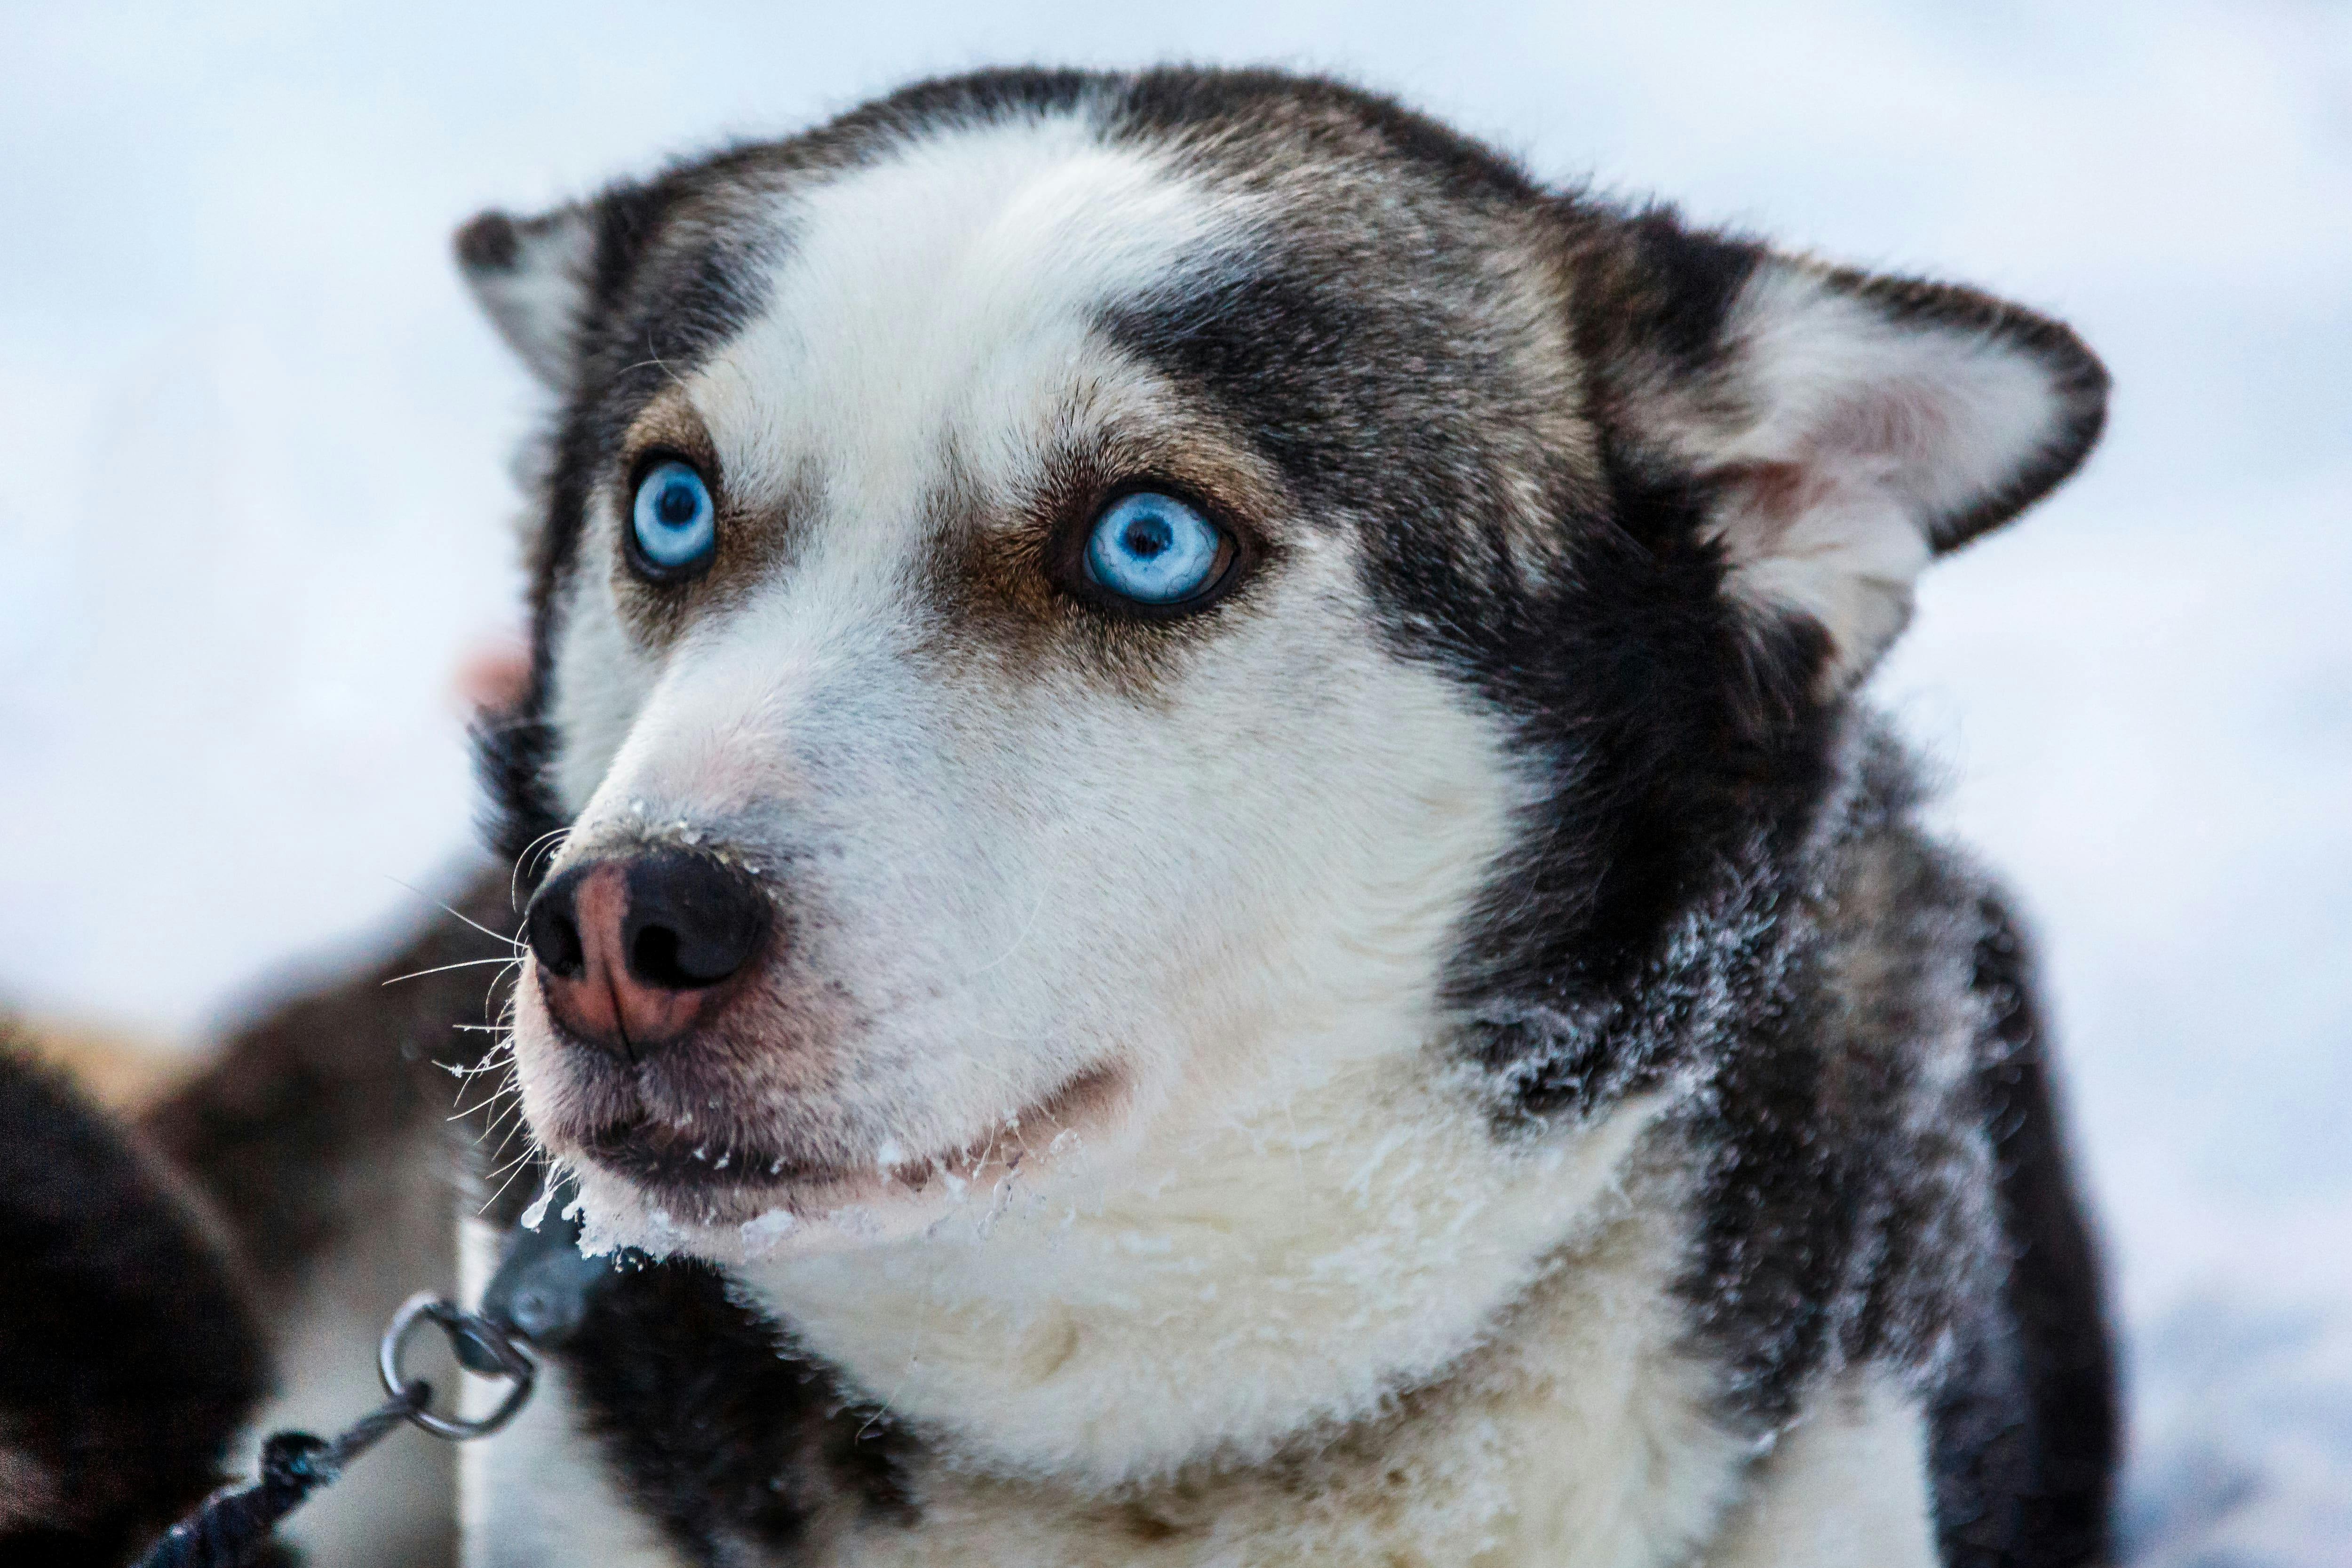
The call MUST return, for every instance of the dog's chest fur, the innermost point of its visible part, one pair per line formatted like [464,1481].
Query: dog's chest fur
[1582,1432]
[1579,1433]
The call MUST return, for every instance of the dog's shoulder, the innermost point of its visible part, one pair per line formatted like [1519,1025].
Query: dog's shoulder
[1886,1186]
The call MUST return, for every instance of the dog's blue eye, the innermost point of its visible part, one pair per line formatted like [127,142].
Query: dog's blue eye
[676,522]
[1154,548]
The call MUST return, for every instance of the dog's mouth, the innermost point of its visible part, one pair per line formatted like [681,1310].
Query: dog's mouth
[715,1178]
[654,1155]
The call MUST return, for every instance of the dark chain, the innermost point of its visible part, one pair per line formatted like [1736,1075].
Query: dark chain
[232,1526]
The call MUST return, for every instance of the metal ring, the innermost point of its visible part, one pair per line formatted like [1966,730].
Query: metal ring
[425,1307]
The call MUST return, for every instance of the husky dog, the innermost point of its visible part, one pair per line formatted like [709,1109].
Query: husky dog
[1210,872]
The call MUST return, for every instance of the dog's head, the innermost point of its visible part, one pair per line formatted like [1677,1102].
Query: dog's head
[1062,600]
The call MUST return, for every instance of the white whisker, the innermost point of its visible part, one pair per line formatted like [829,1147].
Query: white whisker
[445,968]
[445,908]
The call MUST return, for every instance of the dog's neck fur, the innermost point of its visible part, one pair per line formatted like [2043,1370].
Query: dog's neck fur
[1582,1363]
[1327,1245]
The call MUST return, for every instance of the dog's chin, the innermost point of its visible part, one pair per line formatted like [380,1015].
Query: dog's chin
[664,1190]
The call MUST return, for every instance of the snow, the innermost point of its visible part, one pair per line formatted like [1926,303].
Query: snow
[2245,1437]
[761,1236]
[257,511]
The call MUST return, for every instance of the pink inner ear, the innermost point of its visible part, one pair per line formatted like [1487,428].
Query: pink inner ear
[1768,497]
[1872,439]
[1899,419]
[493,676]
[1904,420]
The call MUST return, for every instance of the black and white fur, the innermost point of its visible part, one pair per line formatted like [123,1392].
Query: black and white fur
[1457,1052]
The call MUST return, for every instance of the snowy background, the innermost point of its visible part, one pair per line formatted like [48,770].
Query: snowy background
[255,511]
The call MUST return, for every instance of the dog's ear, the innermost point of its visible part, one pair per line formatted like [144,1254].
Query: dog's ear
[535,278]
[1842,430]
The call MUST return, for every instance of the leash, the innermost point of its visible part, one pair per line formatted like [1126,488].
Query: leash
[538,1298]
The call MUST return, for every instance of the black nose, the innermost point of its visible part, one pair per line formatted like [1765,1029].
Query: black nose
[629,947]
